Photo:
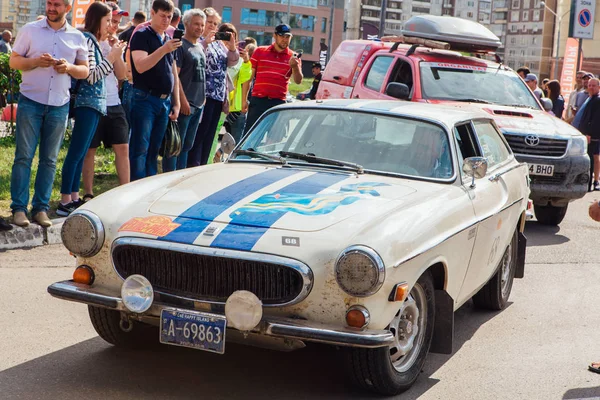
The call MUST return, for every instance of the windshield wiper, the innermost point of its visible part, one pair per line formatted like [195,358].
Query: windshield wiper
[473,101]
[311,158]
[264,156]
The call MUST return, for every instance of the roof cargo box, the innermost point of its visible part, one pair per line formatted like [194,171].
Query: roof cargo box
[461,34]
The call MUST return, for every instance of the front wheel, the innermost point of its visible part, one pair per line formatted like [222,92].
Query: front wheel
[550,215]
[109,327]
[392,370]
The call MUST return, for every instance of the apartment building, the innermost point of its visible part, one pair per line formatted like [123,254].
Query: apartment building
[310,21]
[16,13]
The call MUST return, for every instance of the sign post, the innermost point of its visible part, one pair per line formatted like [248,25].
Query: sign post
[581,23]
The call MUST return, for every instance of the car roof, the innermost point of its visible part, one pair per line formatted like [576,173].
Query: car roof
[448,115]
[428,54]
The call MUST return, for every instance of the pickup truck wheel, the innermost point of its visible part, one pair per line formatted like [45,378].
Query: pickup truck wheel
[550,215]
[494,295]
[107,325]
[392,370]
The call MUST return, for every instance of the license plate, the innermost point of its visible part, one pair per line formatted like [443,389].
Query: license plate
[541,169]
[198,330]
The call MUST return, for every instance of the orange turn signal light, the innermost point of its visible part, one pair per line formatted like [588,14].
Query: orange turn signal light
[399,292]
[357,317]
[83,274]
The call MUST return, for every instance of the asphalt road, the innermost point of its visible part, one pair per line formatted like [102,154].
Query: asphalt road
[537,348]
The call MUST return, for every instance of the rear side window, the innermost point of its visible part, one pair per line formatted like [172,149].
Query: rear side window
[377,73]
[492,145]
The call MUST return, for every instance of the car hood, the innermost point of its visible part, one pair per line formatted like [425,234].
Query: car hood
[522,120]
[240,195]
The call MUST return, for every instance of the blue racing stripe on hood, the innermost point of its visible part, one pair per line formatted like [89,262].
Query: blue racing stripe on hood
[246,229]
[196,218]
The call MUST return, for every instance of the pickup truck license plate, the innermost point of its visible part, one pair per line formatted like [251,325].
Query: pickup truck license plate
[198,330]
[541,169]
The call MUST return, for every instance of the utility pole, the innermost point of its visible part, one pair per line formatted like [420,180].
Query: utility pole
[330,38]
[289,12]
[382,18]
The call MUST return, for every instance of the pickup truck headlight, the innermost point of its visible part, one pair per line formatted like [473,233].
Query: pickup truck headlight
[578,146]
[83,234]
[359,271]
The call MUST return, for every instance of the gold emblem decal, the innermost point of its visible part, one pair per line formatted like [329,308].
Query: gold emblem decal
[157,226]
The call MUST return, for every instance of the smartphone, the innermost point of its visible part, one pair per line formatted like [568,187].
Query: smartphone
[299,53]
[222,36]
[178,34]
[242,45]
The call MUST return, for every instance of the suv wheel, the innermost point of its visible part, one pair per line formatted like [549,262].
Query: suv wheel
[550,215]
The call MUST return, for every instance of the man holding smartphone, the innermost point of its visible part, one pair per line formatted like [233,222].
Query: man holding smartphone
[272,67]
[156,89]
[49,52]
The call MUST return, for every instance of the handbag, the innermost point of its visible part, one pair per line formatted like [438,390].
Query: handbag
[171,144]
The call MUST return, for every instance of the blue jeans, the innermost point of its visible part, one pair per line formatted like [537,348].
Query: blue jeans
[86,122]
[46,124]
[187,131]
[149,119]
[127,99]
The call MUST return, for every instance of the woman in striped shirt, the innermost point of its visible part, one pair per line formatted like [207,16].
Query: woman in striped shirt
[90,103]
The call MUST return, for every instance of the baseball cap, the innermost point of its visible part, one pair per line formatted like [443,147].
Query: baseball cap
[588,75]
[283,30]
[116,10]
[531,77]
[317,65]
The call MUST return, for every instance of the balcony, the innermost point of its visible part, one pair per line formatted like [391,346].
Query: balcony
[373,19]
[448,5]
[370,7]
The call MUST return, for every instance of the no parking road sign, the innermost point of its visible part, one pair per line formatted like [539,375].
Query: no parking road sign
[582,19]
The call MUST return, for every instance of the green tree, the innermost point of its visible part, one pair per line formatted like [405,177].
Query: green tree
[10,80]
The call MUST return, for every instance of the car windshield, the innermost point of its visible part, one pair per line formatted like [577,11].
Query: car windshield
[348,140]
[444,81]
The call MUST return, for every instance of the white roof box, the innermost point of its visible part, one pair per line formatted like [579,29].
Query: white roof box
[461,34]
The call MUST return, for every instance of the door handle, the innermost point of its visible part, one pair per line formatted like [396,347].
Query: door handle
[356,96]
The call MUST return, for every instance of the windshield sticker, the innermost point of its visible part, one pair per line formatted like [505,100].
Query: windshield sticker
[454,66]
[156,226]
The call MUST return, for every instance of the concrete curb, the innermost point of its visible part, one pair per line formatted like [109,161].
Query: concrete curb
[32,236]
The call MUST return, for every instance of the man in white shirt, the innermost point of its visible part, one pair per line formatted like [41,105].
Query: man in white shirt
[532,81]
[48,52]
[571,107]
[113,129]
[5,42]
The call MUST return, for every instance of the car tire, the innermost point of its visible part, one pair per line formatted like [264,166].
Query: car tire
[494,295]
[550,215]
[107,325]
[375,370]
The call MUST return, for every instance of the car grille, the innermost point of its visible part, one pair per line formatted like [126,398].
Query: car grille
[555,179]
[206,277]
[546,147]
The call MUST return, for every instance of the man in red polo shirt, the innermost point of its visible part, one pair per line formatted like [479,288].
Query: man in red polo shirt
[272,67]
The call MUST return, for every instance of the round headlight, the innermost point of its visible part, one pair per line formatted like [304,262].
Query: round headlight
[82,234]
[359,271]
[243,310]
[137,293]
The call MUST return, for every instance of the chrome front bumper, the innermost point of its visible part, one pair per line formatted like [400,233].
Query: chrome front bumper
[275,327]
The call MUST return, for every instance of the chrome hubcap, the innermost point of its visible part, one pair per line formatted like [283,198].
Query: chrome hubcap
[505,271]
[408,327]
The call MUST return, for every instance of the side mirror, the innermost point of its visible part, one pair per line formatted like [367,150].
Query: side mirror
[397,90]
[227,143]
[546,103]
[475,167]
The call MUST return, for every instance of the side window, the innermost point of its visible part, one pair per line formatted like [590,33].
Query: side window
[467,144]
[492,145]
[402,73]
[377,73]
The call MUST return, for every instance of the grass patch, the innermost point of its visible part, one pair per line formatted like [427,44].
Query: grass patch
[106,174]
[305,85]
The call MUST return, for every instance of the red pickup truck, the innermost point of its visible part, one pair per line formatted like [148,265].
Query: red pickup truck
[559,166]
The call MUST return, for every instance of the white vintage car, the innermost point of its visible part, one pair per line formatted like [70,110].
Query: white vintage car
[361,224]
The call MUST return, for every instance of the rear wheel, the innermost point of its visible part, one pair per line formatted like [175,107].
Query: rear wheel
[550,215]
[494,295]
[392,370]
[109,327]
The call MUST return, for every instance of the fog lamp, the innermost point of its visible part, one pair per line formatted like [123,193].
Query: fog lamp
[137,293]
[83,274]
[243,310]
[357,317]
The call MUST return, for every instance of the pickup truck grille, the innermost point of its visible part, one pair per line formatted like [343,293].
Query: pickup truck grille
[557,178]
[207,277]
[545,148]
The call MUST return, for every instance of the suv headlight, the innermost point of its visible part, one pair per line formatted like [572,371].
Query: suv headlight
[83,234]
[359,271]
[578,146]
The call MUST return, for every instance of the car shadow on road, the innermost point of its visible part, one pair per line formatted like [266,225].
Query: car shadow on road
[95,370]
[543,235]
[582,393]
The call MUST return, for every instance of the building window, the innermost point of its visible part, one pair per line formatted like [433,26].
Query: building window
[226,15]
[514,16]
[534,40]
[533,66]
[536,15]
[522,53]
[526,4]
[470,4]
[303,22]
[421,10]
[304,43]
[323,25]
[513,40]
[513,28]
[261,38]
[516,3]
[511,64]
[263,17]
[525,15]
[469,14]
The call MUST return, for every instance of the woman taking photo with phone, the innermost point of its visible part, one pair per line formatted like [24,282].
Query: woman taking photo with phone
[221,52]
[90,103]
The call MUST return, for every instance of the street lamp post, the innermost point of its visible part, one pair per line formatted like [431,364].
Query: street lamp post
[559,20]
